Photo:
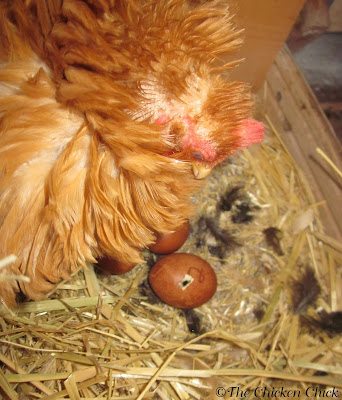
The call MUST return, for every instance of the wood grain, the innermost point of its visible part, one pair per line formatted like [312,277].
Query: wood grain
[335,14]
[267,24]
[296,113]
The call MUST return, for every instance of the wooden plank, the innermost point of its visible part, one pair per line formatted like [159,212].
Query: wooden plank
[314,18]
[267,25]
[296,113]
[335,14]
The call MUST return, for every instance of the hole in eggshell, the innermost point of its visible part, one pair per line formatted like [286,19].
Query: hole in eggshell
[186,281]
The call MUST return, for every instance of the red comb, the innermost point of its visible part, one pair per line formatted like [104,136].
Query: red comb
[252,131]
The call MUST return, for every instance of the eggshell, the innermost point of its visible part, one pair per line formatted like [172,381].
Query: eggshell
[114,267]
[170,242]
[183,280]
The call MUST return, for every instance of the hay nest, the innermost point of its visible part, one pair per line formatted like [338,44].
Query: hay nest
[273,322]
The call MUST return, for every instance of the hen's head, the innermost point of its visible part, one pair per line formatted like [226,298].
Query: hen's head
[206,123]
[204,117]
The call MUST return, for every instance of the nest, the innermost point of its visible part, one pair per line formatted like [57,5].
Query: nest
[273,323]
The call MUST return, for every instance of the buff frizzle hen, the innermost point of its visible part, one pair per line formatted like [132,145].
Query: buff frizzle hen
[110,113]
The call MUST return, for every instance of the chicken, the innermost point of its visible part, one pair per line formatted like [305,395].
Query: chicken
[109,111]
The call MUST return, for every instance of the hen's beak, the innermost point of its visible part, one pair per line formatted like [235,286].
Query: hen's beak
[200,171]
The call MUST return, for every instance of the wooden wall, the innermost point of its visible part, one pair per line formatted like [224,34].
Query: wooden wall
[267,24]
[295,112]
[336,16]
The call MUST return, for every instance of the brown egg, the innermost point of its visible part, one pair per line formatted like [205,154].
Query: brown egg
[170,242]
[183,280]
[111,266]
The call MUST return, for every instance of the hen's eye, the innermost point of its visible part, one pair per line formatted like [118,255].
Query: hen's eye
[197,155]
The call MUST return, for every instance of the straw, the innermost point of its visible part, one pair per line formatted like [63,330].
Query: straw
[101,337]
[328,160]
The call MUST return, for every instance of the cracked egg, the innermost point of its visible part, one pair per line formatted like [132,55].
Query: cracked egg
[183,280]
